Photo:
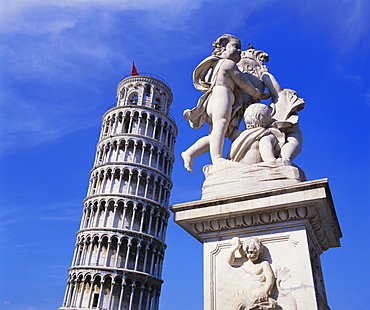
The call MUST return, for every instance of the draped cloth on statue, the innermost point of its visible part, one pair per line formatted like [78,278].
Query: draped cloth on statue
[256,304]
[243,143]
[204,80]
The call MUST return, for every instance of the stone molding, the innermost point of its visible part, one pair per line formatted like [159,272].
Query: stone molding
[306,202]
[128,165]
[114,273]
[88,234]
[116,198]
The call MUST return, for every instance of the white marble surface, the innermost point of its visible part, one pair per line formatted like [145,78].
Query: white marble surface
[296,223]
[221,81]
[234,82]
[235,178]
[287,252]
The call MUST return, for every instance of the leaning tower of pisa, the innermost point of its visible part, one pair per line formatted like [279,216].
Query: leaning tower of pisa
[117,263]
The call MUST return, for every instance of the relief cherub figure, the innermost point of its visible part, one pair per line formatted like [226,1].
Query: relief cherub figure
[260,270]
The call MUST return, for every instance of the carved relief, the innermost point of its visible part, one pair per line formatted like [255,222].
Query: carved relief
[262,278]
[261,281]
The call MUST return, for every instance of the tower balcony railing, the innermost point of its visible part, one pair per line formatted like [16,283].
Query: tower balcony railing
[168,113]
[148,75]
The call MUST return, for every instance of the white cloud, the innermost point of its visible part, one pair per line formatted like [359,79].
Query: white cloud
[62,211]
[40,16]
[50,43]
[353,22]
[346,21]
[66,44]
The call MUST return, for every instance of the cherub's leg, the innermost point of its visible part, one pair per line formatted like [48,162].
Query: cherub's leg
[219,109]
[266,147]
[293,146]
[217,137]
[200,147]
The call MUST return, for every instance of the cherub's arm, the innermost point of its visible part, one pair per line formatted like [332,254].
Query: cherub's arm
[236,246]
[241,80]
[272,85]
[270,280]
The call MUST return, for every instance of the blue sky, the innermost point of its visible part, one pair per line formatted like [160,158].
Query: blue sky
[60,64]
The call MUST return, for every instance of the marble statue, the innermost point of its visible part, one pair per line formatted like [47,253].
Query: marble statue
[259,142]
[285,104]
[222,82]
[258,295]
[229,90]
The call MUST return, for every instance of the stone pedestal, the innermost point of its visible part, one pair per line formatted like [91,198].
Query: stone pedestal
[295,223]
[236,178]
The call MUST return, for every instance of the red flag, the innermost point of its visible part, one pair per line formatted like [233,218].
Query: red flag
[134,71]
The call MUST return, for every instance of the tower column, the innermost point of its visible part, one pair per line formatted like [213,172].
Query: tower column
[121,295]
[129,244]
[79,303]
[66,294]
[124,215]
[110,295]
[107,256]
[117,254]
[101,286]
[98,253]
[132,296]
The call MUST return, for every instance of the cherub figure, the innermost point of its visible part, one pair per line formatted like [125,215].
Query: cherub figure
[222,82]
[260,269]
[258,143]
[285,103]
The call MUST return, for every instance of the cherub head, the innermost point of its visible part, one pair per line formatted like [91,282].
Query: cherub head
[257,115]
[253,248]
[227,46]
[253,62]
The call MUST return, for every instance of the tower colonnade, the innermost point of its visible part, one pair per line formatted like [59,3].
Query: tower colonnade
[130,180]
[106,291]
[122,121]
[145,154]
[121,214]
[119,251]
